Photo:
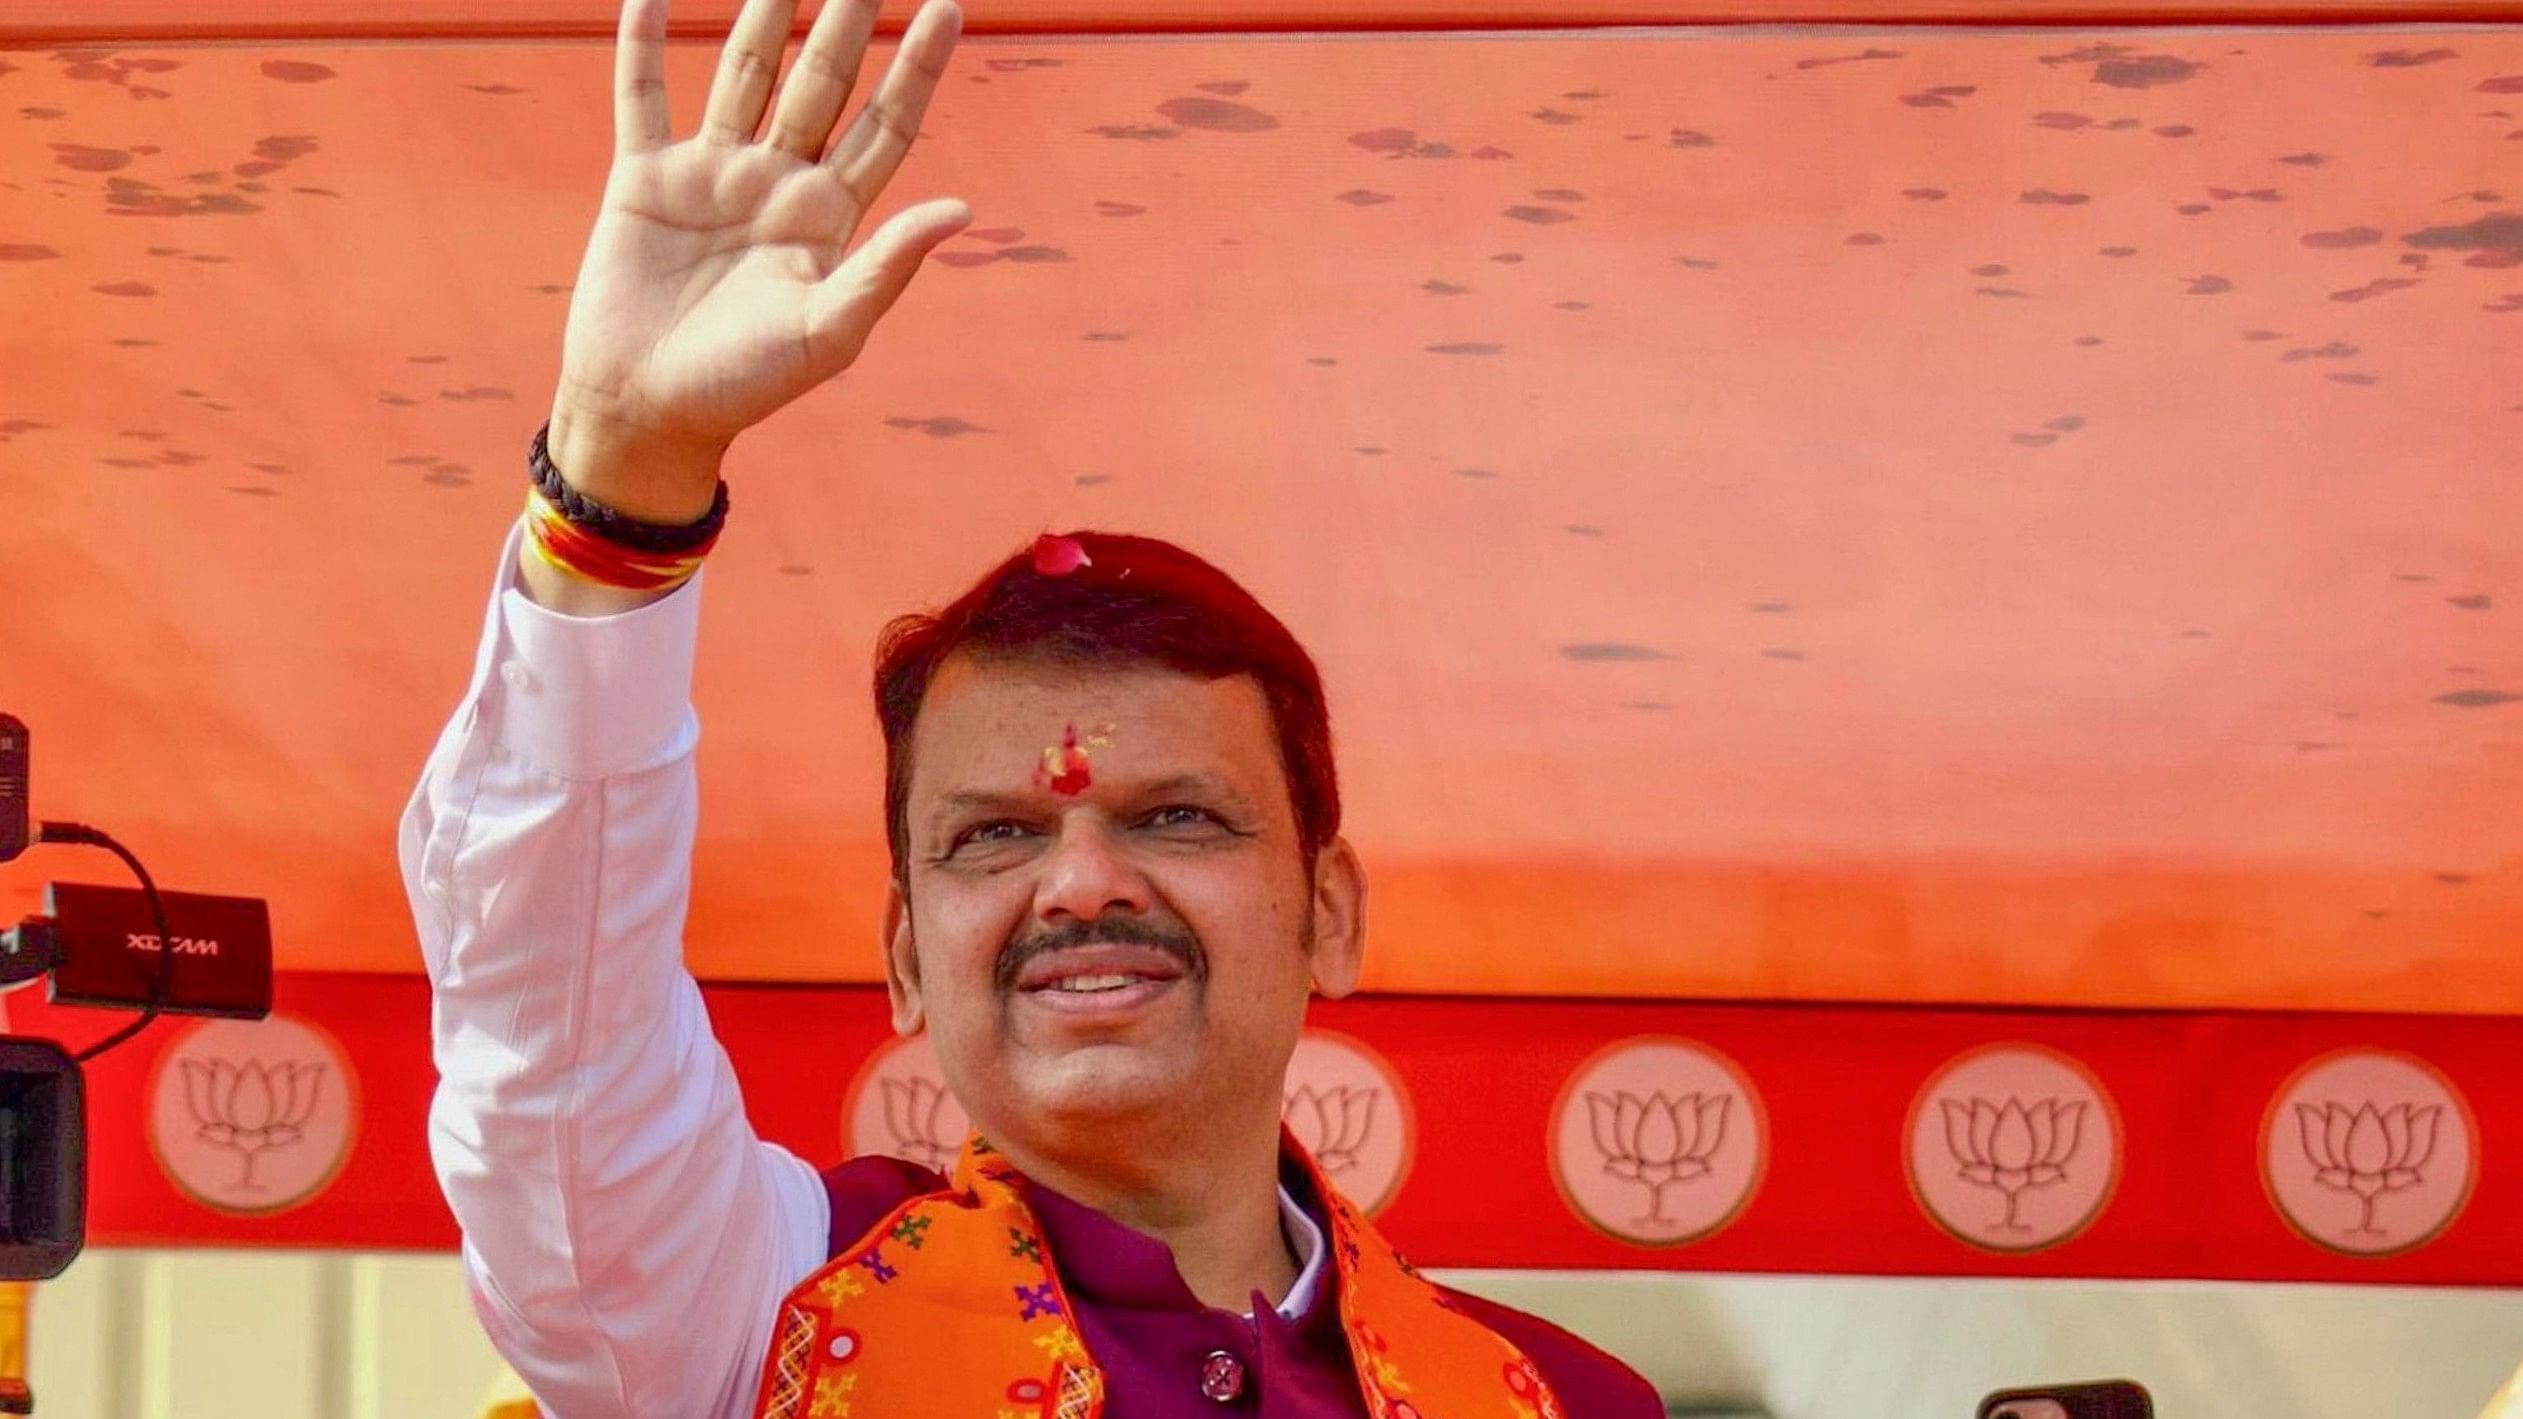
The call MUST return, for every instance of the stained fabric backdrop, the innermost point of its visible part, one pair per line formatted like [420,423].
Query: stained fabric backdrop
[322,19]
[1892,515]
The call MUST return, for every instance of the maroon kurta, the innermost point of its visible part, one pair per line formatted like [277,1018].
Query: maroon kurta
[1162,1351]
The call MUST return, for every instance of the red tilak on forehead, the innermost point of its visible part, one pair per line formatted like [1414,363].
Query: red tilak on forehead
[1064,768]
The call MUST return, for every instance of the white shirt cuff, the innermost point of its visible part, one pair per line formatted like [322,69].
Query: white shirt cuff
[591,697]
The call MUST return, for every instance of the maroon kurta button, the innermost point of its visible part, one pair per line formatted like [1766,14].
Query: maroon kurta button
[1222,1377]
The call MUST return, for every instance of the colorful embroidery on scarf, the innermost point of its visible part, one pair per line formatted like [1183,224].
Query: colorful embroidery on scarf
[971,1277]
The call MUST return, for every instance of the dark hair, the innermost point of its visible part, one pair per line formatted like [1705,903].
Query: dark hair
[1133,602]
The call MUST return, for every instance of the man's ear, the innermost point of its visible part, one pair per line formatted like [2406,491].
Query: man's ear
[1340,920]
[902,965]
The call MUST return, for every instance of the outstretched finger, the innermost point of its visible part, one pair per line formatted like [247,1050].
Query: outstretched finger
[873,148]
[640,117]
[819,83]
[747,68]
[844,306]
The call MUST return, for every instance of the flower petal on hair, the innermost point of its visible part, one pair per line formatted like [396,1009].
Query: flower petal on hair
[1059,556]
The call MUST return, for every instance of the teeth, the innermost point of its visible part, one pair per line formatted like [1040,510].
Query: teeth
[1083,984]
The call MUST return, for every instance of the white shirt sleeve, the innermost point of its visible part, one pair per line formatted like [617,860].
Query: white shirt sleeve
[627,1237]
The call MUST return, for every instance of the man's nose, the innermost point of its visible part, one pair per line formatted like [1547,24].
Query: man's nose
[1087,873]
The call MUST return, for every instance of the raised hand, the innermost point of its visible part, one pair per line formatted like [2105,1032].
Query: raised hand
[718,283]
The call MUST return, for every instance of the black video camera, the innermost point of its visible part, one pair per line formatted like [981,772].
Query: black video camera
[158,953]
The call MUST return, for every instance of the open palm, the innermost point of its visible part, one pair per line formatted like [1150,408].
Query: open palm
[718,283]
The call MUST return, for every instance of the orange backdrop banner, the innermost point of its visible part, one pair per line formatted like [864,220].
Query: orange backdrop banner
[1909,516]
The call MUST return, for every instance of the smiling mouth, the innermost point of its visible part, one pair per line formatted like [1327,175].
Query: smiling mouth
[1112,996]
[1096,985]
[1098,980]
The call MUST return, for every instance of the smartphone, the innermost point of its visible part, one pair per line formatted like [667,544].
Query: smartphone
[2103,1399]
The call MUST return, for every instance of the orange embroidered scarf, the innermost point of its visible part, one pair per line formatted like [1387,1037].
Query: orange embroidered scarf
[952,1307]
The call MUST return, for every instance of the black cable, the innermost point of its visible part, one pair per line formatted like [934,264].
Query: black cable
[162,983]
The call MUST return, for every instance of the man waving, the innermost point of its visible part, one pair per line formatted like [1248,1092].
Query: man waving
[1117,878]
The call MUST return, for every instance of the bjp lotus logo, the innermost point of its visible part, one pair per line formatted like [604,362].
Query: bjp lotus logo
[1668,1117]
[250,1109]
[2367,1152]
[2012,1148]
[899,1107]
[2372,1124]
[914,1117]
[1350,1112]
[253,1117]
[1332,1123]
[1656,1142]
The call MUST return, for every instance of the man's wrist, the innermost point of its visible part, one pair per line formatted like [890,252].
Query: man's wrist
[642,475]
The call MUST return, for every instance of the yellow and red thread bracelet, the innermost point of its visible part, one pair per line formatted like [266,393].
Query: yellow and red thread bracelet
[582,538]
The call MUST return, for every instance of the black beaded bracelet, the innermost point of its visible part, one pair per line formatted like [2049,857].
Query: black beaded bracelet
[584,511]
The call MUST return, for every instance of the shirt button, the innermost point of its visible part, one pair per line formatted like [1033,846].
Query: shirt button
[519,678]
[1222,1377]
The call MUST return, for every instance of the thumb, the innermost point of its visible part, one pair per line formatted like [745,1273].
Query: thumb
[844,306]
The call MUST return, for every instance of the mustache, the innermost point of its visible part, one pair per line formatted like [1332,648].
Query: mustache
[1102,931]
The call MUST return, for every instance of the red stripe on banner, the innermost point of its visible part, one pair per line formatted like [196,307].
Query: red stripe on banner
[1699,1137]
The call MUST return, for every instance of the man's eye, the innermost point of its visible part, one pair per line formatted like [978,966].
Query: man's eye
[1181,815]
[999,831]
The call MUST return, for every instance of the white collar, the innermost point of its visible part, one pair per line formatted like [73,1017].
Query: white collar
[1307,1237]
